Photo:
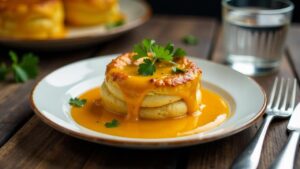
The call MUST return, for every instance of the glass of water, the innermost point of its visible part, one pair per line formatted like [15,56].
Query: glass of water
[255,32]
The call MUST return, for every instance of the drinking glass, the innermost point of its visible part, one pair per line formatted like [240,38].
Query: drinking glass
[255,32]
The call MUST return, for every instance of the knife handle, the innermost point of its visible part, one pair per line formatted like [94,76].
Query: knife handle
[249,158]
[287,155]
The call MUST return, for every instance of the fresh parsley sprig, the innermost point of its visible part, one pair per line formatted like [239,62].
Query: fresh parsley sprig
[152,53]
[22,70]
[77,102]
[112,124]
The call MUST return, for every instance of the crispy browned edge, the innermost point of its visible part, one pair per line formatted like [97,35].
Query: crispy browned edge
[146,145]
[139,22]
[192,71]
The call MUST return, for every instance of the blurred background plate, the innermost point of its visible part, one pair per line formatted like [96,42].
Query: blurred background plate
[137,12]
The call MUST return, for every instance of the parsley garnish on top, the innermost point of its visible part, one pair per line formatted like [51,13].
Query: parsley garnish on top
[77,102]
[112,124]
[22,70]
[177,70]
[152,53]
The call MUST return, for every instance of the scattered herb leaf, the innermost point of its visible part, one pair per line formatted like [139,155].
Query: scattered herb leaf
[112,124]
[29,64]
[115,24]
[20,74]
[177,70]
[22,70]
[153,52]
[190,40]
[13,56]
[77,102]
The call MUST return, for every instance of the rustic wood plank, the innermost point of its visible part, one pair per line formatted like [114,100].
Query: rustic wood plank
[14,103]
[166,29]
[38,146]
[293,44]
[220,154]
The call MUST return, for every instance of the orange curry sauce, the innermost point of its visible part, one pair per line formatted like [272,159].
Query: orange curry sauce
[213,111]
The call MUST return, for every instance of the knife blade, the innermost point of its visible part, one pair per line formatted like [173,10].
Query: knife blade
[286,158]
[294,123]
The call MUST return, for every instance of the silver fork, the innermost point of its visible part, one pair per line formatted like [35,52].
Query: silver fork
[281,104]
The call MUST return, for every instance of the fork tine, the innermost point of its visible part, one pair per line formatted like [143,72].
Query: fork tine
[272,95]
[279,94]
[287,86]
[293,97]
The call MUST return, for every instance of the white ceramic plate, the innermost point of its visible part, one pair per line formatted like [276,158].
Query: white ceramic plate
[50,98]
[137,12]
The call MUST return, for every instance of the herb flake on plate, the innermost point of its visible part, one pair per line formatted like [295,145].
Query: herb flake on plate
[77,102]
[112,124]
[115,24]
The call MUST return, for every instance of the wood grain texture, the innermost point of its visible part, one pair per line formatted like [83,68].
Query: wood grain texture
[14,103]
[38,146]
[220,154]
[166,29]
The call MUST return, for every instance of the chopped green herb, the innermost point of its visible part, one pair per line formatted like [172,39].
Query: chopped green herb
[13,56]
[177,70]
[20,74]
[190,40]
[112,124]
[22,70]
[157,53]
[115,24]
[29,64]
[77,102]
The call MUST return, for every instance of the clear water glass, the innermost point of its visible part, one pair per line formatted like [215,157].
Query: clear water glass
[255,32]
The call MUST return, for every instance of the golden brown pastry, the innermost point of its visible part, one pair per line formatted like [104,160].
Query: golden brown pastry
[31,19]
[159,96]
[92,12]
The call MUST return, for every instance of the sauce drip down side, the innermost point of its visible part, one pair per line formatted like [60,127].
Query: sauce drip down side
[214,110]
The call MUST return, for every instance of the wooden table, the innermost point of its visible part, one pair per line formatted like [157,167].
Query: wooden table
[26,142]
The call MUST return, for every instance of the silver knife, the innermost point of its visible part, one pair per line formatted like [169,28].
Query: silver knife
[287,155]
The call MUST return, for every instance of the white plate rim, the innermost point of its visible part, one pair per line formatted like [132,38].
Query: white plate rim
[145,143]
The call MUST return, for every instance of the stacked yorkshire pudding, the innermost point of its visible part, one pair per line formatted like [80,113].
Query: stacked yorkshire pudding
[166,93]
[44,19]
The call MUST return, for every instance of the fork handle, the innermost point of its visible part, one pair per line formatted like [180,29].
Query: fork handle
[249,158]
[286,157]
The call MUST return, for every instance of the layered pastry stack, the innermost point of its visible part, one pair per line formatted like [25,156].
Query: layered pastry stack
[44,19]
[163,95]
